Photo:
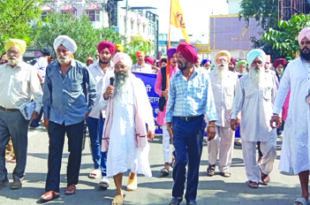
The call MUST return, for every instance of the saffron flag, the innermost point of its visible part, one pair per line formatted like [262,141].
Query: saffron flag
[176,18]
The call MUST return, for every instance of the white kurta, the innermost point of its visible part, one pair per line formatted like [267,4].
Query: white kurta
[123,153]
[255,104]
[295,152]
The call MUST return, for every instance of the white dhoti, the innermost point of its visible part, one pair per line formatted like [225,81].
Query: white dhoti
[222,145]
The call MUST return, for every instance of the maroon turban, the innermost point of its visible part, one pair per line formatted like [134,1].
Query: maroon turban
[171,52]
[106,44]
[149,60]
[278,62]
[233,61]
[188,52]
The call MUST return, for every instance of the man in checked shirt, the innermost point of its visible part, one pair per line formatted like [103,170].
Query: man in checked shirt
[190,100]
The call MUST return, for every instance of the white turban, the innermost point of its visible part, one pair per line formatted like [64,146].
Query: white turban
[253,54]
[122,57]
[66,41]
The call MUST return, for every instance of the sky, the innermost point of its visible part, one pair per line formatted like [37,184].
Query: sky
[196,15]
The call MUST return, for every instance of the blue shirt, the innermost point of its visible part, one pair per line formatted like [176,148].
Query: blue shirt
[65,95]
[190,98]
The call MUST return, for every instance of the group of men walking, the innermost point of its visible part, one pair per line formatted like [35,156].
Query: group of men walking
[115,105]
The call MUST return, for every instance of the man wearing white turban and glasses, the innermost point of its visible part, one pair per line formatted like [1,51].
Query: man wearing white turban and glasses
[129,124]
[295,153]
[254,97]
[68,97]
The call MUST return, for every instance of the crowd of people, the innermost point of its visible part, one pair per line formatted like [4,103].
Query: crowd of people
[245,97]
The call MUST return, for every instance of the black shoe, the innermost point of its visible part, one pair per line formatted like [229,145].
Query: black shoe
[164,171]
[191,202]
[176,201]
[4,183]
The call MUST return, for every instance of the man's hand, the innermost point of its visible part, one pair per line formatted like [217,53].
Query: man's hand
[46,120]
[169,128]
[275,121]
[109,91]
[87,114]
[211,130]
[234,123]
[165,94]
[150,135]
[34,115]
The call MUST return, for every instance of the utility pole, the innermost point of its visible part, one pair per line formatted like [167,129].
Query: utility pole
[126,19]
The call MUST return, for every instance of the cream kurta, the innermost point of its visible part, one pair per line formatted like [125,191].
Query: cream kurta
[123,153]
[295,152]
[255,105]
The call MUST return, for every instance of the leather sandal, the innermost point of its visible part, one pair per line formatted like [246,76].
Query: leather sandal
[211,170]
[71,189]
[48,196]
[265,178]
[253,185]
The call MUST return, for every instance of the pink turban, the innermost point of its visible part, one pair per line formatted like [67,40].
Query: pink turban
[106,44]
[149,60]
[171,52]
[305,32]
[278,62]
[188,52]
[122,57]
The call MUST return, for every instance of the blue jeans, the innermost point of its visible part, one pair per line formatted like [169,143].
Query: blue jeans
[56,133]
[187,141]
[95,129]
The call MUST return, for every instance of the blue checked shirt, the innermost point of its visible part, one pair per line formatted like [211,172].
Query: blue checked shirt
[65,96]
[190,98]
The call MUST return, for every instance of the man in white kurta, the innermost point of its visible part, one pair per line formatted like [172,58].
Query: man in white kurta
[223,86]
[295,154]
[127,106]
[254,98]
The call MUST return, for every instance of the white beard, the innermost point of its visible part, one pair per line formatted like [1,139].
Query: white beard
[120,83]
[257,76]
[221,70]
[13,61]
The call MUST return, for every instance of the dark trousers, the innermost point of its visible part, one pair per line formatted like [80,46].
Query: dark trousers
[13,124]
[187,141]
[56,133]
[95,128]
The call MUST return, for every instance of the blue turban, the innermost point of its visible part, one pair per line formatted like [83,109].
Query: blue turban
[253,54]
[204,61]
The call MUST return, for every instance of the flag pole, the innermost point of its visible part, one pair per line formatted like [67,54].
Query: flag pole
[168,46]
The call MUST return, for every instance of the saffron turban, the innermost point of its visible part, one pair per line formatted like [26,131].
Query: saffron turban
[254,53]
[279,61]
[106,44]
[204,61]
[171,52]
[140,53]
[149,60]
[242,62]
[122,57]
[19,44]
[119,47]
[188,52]
[305,32]
[222,53]
[66,41]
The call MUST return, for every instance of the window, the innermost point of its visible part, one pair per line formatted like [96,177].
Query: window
[94,15]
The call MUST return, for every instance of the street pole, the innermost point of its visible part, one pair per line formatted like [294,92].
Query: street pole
[126,19]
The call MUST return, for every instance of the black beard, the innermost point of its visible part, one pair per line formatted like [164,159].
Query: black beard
[103,62]
[304,55]
[182,67]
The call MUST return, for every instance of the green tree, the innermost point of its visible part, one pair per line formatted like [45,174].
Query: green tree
[264,11]
[79,29]
[284,39]
[138,43]
[17,19]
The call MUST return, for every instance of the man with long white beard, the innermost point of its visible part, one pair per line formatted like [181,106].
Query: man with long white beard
[18,83]
[295,153]
[223,86]
[129,124]
[69,95]
[254,97]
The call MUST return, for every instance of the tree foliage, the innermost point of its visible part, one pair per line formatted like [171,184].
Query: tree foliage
[285,38]
[264,11]
[79,29]
[138,43]
[17,19]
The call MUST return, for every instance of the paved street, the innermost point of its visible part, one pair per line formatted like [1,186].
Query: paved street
[214,190]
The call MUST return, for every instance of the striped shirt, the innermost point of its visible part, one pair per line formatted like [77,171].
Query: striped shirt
[190,98]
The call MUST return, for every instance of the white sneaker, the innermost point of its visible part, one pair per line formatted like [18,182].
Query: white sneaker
[104,183]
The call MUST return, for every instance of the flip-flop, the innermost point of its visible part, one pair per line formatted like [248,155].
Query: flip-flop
[301,201]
